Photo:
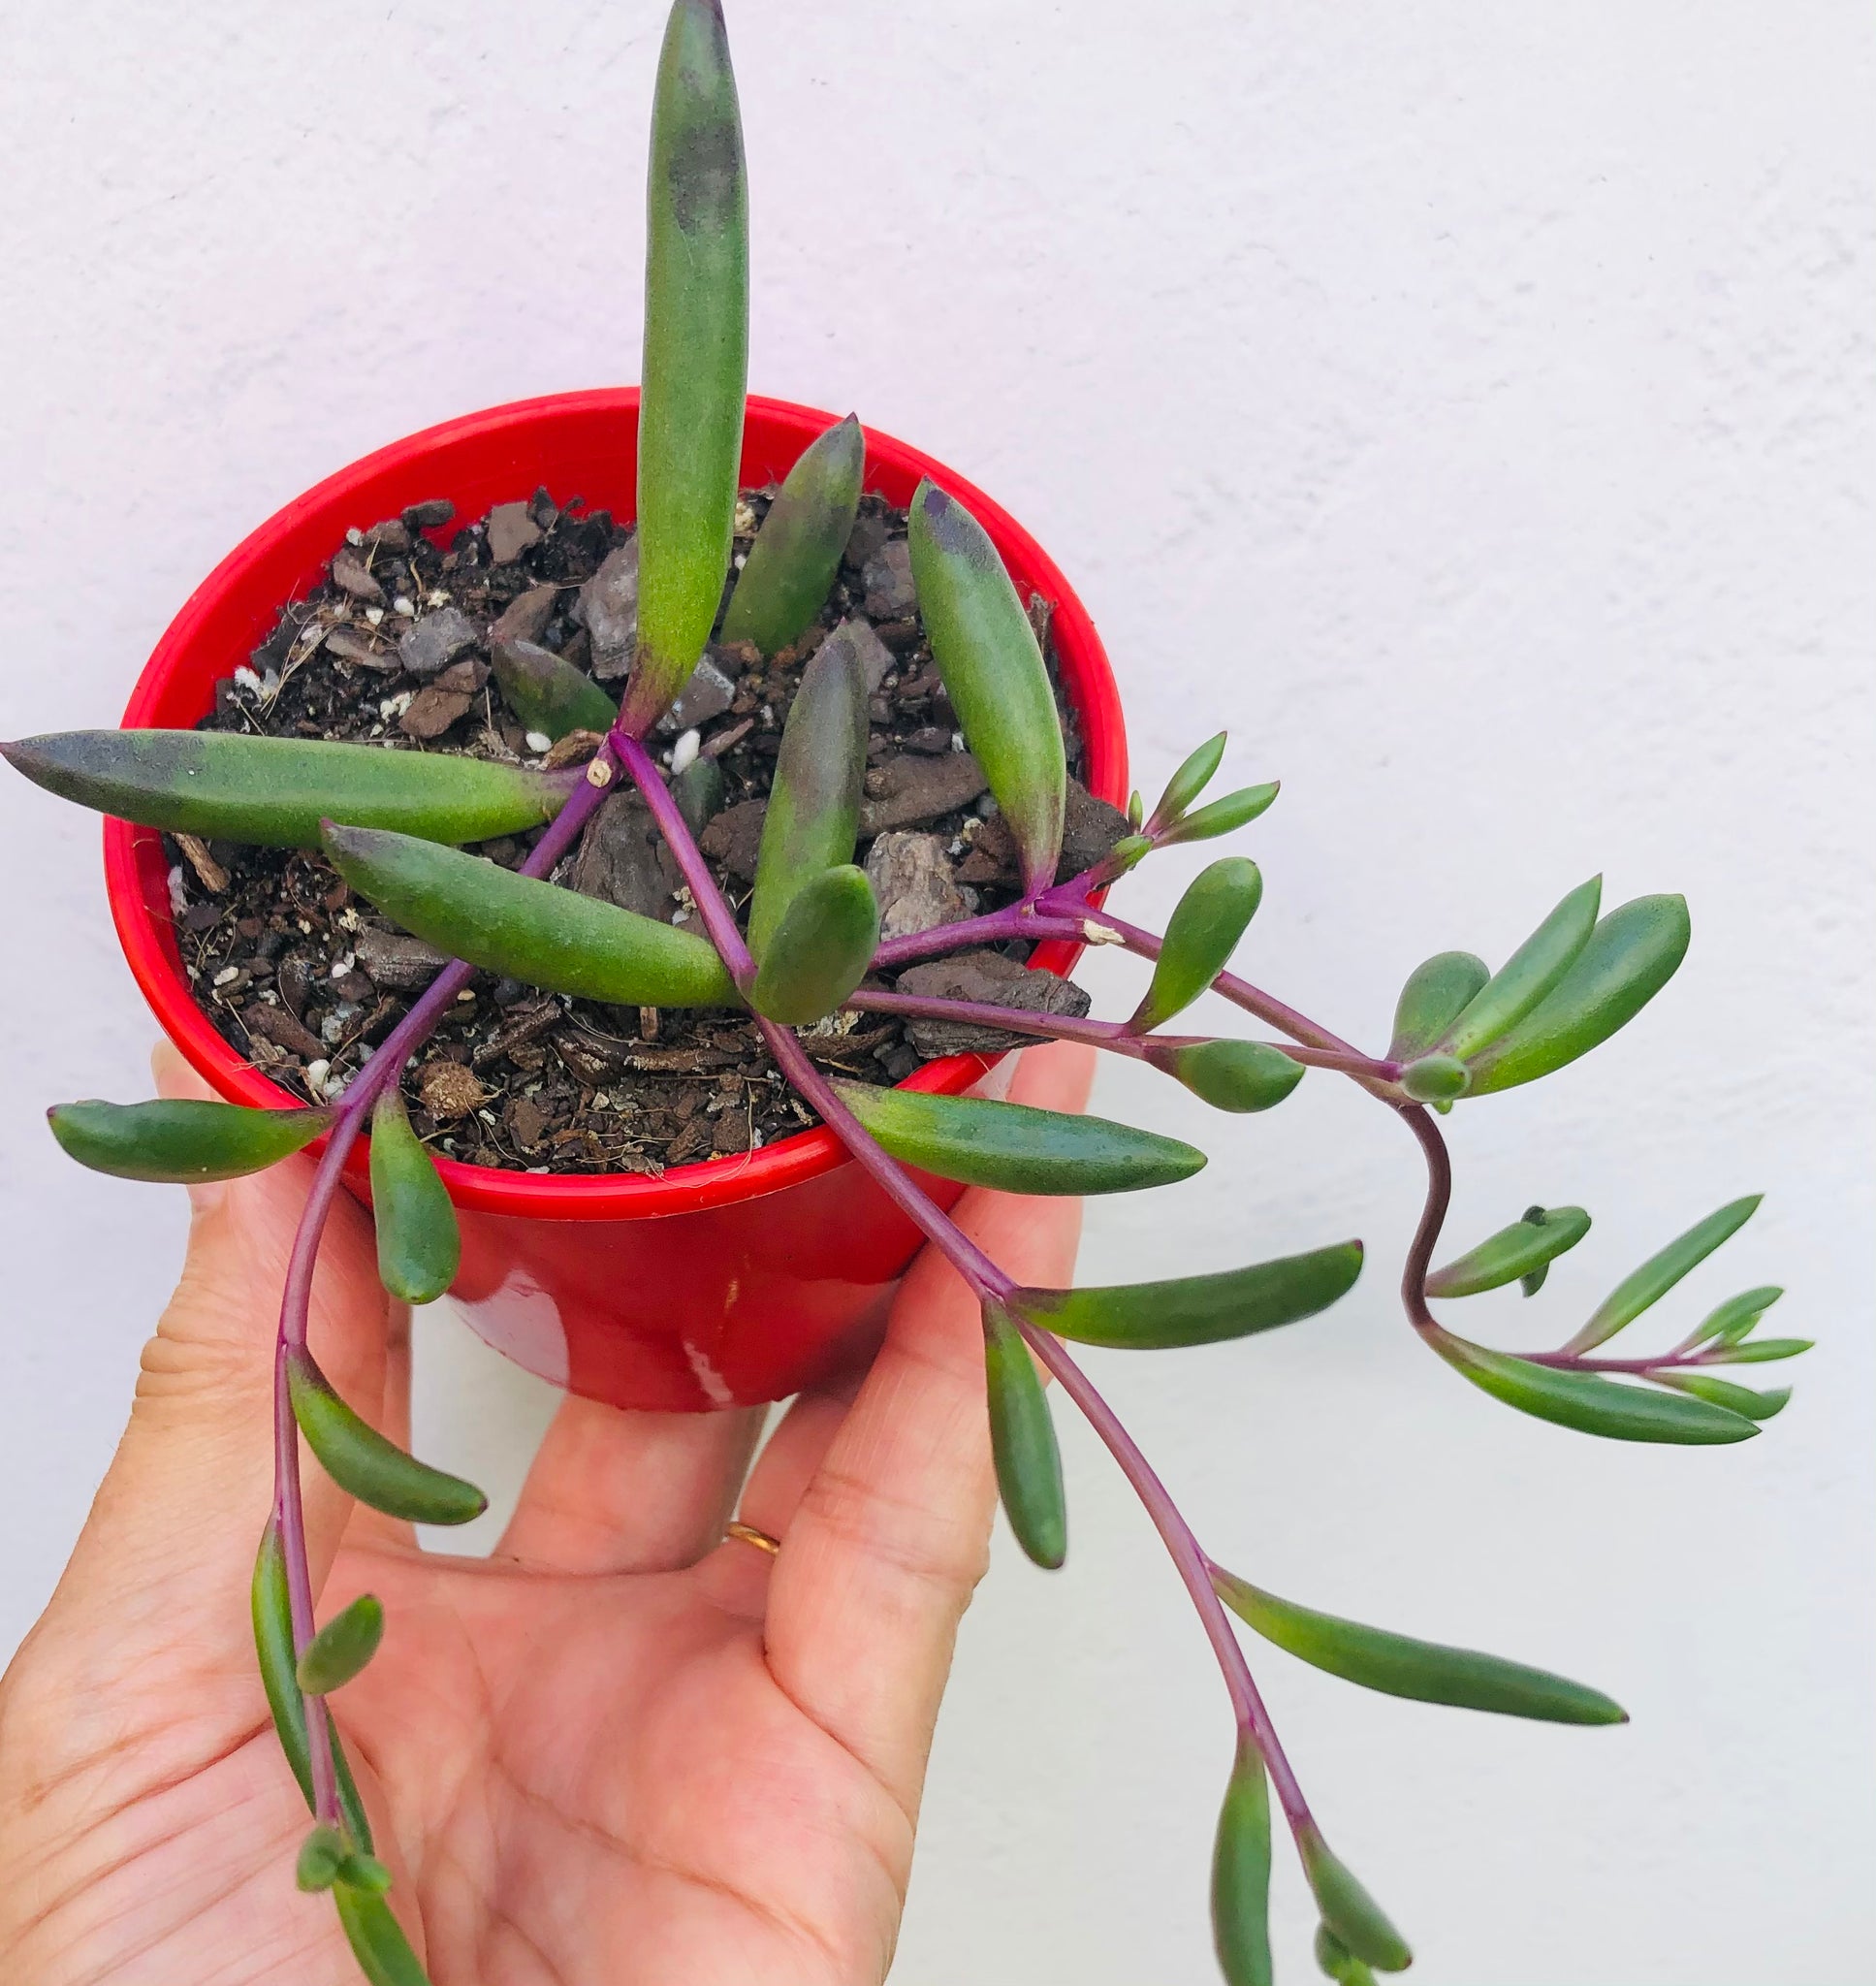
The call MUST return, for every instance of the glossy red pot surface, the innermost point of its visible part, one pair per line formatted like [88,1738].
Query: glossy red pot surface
[738,1280]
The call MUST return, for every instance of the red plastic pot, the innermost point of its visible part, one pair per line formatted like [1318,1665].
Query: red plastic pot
[733,1281]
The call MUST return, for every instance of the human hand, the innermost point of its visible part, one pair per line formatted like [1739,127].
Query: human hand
[618,1750]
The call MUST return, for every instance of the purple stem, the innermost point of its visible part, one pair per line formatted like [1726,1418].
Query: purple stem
[983,1275]
[1195,1567]
[1115,1035]
[377,1075]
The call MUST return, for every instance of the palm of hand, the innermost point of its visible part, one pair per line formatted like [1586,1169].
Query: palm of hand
[617,1751]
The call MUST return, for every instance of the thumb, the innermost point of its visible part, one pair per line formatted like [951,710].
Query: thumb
[180,1512]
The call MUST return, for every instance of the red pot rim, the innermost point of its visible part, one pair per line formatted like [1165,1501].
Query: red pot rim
[135,871]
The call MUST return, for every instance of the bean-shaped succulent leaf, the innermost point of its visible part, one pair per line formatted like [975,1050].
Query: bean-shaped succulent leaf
[699,791]
[342,1647]
[1187,782]
[1224,816]
[1201,935]
[1722,1393]
[548,693]
[1734,1319]
[1527,975]
[1197,1310]
[986,652]
[790,569]
[272,1612]
[1647,1284]
[1590,1403]
[1135,808]
[377,1940]
[1632,954]
[1761,1351]
[1435,1078]
[1230,1075]
[275,791]
[367,1466]
[1426,1670]
[820,950]
[527,929]
[181,1139]
[814,813]
[1016,1147]
[1336,1962]
[1514,1253]
[1347,1908]
[1023,1443]
[696,355]
[1434,996]
[1241,1874]
[419,1243]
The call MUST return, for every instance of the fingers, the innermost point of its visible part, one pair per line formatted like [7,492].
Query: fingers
[619,1490]
[888,1532]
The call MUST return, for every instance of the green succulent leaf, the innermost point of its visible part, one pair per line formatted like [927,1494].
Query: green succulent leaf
[696,355]
[1632,954]
[367,1466]
[1016,1147]
[420,1246]
[181,1141]
[1647,1284]
[790,569]
[1763,1350]
[528,929]
[342,1647]
[1736,1318]
[1230,1075]
[1197,1310]
[1527,975]
[1135,810]
[1590,1403]
[1434,996]
[1435,1078]
[813,813]
[1523,1249]
[1223,816]
[1201,935]
[272,1612]
[1189,782]
[986,652]
[1426,1670]
[548,693]
[1241,1874]
[322,1856]
[1023,1443]
[275,791]
[377,1940]
[1351,1914]
[820,950]
[1334,1959]
[1722,1393]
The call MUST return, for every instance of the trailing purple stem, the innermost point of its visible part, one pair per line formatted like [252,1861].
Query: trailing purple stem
[1114,1034]
[296,1298]
[985,1279]
[1195,1567]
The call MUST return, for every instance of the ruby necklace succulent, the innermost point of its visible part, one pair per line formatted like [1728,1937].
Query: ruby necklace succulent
[811,947]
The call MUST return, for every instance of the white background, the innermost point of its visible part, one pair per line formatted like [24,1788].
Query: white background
[1471,407]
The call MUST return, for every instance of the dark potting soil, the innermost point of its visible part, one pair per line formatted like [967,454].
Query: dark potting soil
[304,978]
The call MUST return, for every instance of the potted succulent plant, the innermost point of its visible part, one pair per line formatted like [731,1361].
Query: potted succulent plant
[669,745]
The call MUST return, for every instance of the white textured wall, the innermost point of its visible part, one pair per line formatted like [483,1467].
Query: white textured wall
[1469,406]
